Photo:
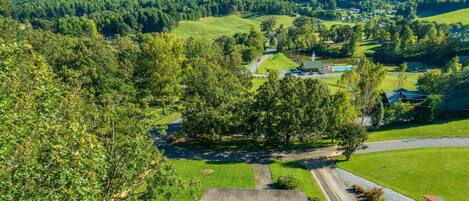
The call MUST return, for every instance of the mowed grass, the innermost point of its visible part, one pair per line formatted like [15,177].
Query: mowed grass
[212,174]
[461,16]
[278,62]
[291,168]
[435,130]
[366,48]
[389,83]
[418,172]
[331,23]
[214,27]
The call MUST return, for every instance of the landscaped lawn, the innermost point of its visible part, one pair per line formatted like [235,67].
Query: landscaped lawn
[306,180]
[212,174]
[389,84]
[366,48]
[418,172]
[437,129]
[257,82]
[330,23]
[461,15]
[278,62]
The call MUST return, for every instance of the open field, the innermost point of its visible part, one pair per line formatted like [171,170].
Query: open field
[389,83]
[277,62]
[437,129]
[214,27]
[330,23]
[366,48]
[461,15]
[211,174]
[291,168]
[417,172]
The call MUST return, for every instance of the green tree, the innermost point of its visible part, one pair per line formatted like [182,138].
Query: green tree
[5,8]
[268,25]
[454,65]
[341,112]
[351,138]
[370,77]
[377,115]
[161,68]
[429,81]
[402,76]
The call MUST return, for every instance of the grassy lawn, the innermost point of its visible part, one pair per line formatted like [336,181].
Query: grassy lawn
[366,48]
[461,15]
[389,83]
[214,27]
[228,175]
[306,180]
[166,119]
[278,62]
[437,129]
[417,172]
[331,23]
[257,82]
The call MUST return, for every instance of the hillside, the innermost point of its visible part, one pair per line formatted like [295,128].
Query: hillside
[213,27]
[451,17]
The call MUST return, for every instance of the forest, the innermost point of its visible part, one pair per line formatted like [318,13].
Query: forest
[81,82]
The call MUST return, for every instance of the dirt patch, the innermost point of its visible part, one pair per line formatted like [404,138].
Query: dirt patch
[208,171]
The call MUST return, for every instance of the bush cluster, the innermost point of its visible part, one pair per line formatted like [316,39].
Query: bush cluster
[375,194]
[287,182]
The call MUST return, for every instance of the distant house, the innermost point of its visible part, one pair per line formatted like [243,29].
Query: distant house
[315,67]
[464,59]
[403,96]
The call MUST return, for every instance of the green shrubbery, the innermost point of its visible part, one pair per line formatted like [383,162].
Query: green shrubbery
[375,194]
[287,182]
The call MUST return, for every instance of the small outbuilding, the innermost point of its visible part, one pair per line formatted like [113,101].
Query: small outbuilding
[315,67]
[253,195]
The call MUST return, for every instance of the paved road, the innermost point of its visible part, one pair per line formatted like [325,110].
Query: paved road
[263,176]
[350,179]
[415,143]
[333,184]
[256,64]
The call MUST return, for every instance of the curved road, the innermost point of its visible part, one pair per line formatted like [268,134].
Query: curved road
[334,182]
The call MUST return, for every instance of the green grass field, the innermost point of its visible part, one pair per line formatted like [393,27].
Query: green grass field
[228,175]
[437,129]
[366,48]
[214,27]
[277,62]
[389,83]
[461,15]
[331,23]
[306,181]
[418,172]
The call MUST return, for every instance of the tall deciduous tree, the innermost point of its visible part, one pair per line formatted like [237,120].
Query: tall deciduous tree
[351,138]
[402,76]
[160,69]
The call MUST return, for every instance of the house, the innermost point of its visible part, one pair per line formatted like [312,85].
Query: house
[314,67]
[433,198]
[403,96]
[254,194]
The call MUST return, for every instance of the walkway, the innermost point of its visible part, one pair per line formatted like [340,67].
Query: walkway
[263,176]
[415,143]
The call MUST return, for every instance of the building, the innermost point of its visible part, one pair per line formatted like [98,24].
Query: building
[253,195]
[315,67]
[403,96]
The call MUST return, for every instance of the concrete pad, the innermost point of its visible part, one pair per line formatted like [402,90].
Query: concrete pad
[253,195]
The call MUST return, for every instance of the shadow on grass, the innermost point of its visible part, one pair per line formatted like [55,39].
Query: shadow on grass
[293,164]
[407,125]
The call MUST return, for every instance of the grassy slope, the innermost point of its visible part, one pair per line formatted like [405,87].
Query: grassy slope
[277,62]
[330,23]
[213,27]
[389,83]
[461,15]
[438,129]
[226,175]
[417,172]
[306,181]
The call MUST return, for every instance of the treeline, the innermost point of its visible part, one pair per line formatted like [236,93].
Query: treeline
[122,17]
[76,111]
[441,5]
[406,40]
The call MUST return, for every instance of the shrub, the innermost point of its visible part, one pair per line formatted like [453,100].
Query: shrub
[358,189]
[375,194]
[287,182]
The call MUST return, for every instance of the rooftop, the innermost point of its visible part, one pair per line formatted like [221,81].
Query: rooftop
[313,64]
[253,195]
